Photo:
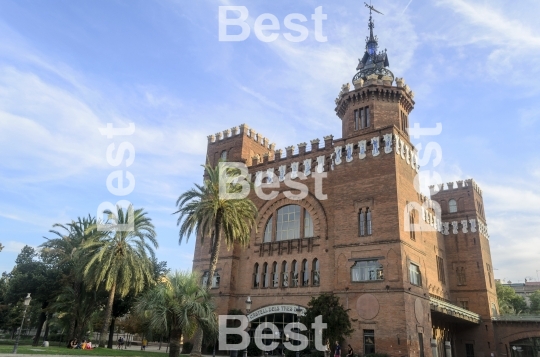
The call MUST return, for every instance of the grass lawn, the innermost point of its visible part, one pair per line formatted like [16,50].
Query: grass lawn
[54,350]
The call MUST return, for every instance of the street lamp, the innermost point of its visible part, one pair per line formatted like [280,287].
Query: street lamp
[298,314]
[248,309]
[27,300]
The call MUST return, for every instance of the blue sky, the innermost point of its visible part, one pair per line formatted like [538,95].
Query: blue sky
[68,68]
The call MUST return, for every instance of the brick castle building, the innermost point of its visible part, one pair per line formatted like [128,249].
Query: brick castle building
[415,271]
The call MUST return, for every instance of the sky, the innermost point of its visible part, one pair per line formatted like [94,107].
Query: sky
[69,68]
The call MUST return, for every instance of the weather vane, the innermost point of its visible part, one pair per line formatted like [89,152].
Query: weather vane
[371,8]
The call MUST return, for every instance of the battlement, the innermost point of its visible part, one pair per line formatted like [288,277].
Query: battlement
[455,186]
[374,79]
[236,131]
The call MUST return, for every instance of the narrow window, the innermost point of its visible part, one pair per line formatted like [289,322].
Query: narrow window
[356,119]
[265,275]
[305,273]
[411,226]
[316,273]
[285,274]
[415,277]
[256,280]
[369,342]
[268,231]
[368,124]
[275,275]
[440,269]
[308,225]
[361,224]
[215,280]
[367,270]
[362,119]
[368,218]
[452,206]
[223,155]
[421,343]
[294,273]
[464,304]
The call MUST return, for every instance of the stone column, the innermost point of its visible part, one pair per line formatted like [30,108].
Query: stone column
[434,350]
[448,349]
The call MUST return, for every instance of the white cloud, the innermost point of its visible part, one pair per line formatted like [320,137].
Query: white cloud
[14,246]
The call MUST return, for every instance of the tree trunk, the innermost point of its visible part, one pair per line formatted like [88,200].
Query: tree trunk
[47,324]
[108,313]
[198,338]
[174,343]
[111,333]
[41,321]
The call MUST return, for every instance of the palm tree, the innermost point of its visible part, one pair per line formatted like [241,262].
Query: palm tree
[120,259]
[64,251]
[178,305]
[203,211]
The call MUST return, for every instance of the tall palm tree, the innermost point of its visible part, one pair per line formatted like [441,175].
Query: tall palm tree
[120,259]
[64,251]
[204,212]
[179,305]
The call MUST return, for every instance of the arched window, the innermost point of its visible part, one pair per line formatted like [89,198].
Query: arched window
[452,206]
[316,273]
[265,275]
[268,231]
[294,273]
[288,222]
[256,280]
[368,219]
[275,276]
[411,226]
[361,223]
[308,225]
[305,273]
[285,274]
[223,155]
[215,280]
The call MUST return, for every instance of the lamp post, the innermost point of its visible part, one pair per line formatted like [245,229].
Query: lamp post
[298,313]
[27,300]
[248,309]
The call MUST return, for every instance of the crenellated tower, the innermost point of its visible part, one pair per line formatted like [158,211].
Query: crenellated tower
[378,99]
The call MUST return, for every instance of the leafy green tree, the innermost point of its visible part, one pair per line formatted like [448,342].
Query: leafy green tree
[179,305]
[333,314]
[32,274]
[535,302]
[509,301]
[120,260]
[203,211]
[74,302]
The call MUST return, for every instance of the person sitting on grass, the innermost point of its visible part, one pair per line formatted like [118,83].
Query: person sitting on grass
[73,344]
[89,345]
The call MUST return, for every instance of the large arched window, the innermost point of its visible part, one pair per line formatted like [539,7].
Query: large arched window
[275,276]
[316,273]
[256,280]
[305,273]
[294,273]
[223,155]
[289,222]
[268,231]
[265,275]
[452,206]
[285,274]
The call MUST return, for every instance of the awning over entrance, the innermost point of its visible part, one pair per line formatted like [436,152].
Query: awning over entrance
[451,310]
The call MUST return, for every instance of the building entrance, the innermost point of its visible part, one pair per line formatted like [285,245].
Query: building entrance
[280,320]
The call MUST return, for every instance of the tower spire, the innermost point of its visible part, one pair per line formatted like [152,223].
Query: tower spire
[373,62]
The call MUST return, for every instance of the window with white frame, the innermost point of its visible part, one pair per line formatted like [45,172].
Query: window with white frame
[415,277]
[452,206]
[367,270]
